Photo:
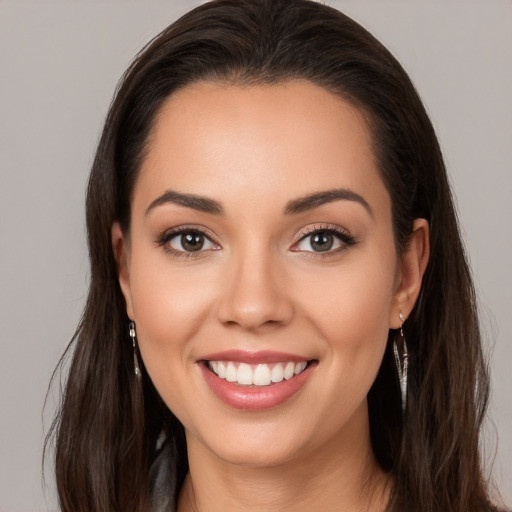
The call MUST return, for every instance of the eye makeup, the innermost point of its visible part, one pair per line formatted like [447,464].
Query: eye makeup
[192,241]
[187,241]
[324,239]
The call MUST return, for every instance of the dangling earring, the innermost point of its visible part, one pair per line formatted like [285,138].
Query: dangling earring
[401,362]
[133,336]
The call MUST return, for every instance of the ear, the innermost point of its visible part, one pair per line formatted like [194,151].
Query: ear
[120,246]
[414,261]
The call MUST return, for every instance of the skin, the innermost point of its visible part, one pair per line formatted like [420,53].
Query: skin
[260,286]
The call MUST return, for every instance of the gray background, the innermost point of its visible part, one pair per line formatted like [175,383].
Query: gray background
[59,64]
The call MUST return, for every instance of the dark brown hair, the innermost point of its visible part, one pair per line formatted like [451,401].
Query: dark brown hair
[109,422]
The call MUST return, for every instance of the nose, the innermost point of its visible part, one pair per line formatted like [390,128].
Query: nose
[255,294]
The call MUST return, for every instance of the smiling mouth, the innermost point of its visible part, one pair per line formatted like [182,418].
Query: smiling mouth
[256,375]
[255,381]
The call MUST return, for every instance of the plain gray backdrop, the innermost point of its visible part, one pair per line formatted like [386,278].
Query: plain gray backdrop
[59,64]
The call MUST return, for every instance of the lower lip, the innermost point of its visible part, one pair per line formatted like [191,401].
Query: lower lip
[255,398]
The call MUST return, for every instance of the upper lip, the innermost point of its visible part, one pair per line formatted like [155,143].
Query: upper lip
[250,357]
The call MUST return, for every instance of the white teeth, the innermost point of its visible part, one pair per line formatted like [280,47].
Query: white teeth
[257,375]
[221,369]
[231,373]
[244,374]
[299,367]
[277,373]
[261,375]
[289,371]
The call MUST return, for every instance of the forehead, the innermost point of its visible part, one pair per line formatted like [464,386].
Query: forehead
[267,141]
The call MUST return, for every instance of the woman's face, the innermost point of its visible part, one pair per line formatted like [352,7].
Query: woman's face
[261,269]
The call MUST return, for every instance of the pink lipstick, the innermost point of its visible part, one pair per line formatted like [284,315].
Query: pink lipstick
[255,380]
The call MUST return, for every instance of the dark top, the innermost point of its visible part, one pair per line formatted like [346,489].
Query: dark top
[162,479]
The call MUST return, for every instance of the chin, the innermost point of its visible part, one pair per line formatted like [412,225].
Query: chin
[253,443]
[257,455]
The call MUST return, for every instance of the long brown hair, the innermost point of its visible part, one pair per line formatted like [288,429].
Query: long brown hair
[108,425]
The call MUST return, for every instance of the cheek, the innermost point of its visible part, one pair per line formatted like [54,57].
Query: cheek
[350,306]
[170,306]
[361,289]
[167,296]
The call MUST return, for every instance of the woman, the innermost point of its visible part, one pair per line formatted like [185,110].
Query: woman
[280,313]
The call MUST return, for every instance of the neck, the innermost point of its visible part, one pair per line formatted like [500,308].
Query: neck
[340,475]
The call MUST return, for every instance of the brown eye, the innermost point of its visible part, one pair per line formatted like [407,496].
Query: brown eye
[322,241]
[190,241]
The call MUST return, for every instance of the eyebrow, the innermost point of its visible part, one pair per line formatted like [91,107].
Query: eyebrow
[295,206]
[200,203]
[317,199]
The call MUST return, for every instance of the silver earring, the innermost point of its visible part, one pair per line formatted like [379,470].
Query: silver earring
[402,363]
[133,336]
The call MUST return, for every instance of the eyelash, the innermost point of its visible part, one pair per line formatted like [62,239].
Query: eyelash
[164,239]
[346,239]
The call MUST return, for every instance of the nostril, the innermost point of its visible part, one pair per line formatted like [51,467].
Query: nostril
[255,314]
